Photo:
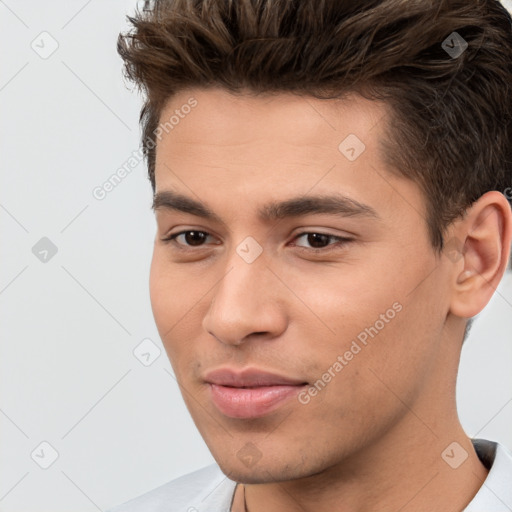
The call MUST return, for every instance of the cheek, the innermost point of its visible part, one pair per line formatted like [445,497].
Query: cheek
[370,319]
[175,305]
[398,360]
[165,297]
[344,304]
[157,287]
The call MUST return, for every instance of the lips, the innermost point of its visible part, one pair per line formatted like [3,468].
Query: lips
[250,377]
[250,393]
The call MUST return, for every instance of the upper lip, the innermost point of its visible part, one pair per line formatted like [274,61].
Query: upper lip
[249,377]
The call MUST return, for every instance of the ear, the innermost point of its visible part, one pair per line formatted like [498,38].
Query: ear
[478,250]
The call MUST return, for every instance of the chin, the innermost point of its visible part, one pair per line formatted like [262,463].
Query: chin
[259,475]
[261,472]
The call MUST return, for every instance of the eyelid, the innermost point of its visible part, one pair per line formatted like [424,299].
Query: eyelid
[171,238]
[340,241]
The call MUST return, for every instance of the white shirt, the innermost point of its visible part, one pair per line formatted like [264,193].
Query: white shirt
[209,490]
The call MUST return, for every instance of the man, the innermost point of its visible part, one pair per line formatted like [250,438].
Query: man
[331,184]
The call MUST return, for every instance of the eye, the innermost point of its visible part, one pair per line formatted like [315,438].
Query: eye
[192,238]
[319,241]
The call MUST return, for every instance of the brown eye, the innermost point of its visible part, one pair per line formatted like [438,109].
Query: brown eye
[320,241]
[192,238]
[317,240]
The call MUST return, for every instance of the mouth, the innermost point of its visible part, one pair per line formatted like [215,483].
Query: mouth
[251,402]
[250,393]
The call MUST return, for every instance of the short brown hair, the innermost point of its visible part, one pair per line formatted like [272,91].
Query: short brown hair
[450,126]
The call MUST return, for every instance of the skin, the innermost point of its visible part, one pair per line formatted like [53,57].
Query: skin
[372,439]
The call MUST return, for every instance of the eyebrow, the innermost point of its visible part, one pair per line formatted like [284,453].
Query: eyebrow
[333,204]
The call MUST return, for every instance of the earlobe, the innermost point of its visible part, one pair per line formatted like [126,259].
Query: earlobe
[486,233]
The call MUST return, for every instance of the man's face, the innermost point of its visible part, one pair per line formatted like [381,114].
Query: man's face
[360,321]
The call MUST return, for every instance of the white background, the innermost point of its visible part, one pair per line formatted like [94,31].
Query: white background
[69,326]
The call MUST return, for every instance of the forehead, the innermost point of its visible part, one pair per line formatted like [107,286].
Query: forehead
[223,117]
[268,132]
[275,146]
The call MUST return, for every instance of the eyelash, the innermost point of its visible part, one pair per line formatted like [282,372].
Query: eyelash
[341,241]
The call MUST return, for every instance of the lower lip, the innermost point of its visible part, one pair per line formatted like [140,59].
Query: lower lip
[251,402]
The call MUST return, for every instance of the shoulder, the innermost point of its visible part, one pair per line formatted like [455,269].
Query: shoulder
[206,486]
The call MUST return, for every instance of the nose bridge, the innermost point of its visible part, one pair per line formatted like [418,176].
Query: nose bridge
[241,303]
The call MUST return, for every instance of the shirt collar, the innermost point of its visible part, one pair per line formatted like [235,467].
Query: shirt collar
[495,495]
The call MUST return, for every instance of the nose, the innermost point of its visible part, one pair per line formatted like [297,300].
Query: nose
[248,301]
